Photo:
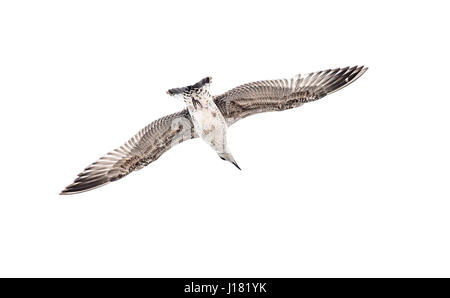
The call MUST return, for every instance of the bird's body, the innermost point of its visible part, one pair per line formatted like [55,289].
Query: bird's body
[208,117]
[209,123]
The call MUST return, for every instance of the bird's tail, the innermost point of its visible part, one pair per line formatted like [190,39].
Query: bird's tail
[203,84]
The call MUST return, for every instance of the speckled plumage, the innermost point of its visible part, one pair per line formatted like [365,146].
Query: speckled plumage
[245,100]
[209,123]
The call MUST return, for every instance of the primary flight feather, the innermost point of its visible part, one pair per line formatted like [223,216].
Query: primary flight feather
[208,117]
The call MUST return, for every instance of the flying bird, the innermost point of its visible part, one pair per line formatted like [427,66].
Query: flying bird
[208,117]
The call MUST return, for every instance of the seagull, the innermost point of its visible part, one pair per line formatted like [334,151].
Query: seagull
[209,123]
[208,117]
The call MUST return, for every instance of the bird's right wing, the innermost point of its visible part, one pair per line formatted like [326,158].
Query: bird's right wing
[278,95]
[145,147]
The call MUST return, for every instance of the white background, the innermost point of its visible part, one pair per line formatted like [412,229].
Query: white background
[355,184]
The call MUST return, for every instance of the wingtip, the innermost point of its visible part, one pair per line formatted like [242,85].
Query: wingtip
[64,192]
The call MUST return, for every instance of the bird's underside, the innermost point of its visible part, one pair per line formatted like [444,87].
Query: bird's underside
[245,100]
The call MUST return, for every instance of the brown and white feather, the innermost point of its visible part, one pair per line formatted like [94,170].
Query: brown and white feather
[143,148]
[278,95]
[245,100]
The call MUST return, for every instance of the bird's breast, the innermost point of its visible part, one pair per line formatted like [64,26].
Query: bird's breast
[210,125]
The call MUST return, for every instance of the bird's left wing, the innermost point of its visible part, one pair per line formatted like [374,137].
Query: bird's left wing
[278,95]
[145,147]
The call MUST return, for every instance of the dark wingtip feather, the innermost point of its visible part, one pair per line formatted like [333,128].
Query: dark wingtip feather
[345,77]
[83,186]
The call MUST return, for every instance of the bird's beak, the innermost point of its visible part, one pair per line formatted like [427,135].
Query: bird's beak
[235,163]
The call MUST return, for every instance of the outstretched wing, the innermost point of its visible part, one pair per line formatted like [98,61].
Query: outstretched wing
[278,95]
[159,136]
[146,146]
